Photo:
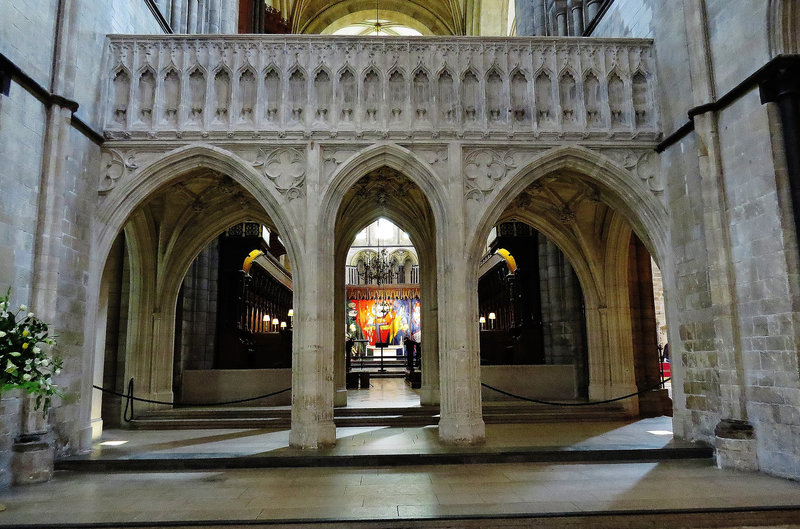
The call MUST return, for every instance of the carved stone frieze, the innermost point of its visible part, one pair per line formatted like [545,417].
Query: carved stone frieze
[285,167]
[354,87]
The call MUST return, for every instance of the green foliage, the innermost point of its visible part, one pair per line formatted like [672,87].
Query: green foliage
[26,359]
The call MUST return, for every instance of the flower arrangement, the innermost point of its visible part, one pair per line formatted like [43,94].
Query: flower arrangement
[25,358]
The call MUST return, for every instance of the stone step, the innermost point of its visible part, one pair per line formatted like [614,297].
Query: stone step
[734,517]
[277,418]
[450,456]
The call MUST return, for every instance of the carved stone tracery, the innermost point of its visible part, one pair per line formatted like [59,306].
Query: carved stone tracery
[285,168]
[203,86]
[483,169]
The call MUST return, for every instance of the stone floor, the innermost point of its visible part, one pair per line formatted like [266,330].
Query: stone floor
[397,493]
[120,444]
[384,392]
[389,493]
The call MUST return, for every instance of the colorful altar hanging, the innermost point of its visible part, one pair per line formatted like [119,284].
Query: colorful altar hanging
[384,320]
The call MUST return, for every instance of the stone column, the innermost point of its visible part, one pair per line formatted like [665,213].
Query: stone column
[576,10]
[339,352]
[592,8]
[229,16]
[429,390]
[179,14]
[621,375]
[459,366]
[213,17]
[561,18]
[192,16]
[314,325]
[733,412]
[539,18]
[780,84]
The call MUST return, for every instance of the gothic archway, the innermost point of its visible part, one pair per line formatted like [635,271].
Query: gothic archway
[590,208]
[419,217]
[168,213]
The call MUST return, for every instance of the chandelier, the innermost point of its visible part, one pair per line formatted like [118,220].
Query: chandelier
[377,269]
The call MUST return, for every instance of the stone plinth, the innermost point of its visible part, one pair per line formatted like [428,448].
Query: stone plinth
[735,445]
[32,461]
[655,403]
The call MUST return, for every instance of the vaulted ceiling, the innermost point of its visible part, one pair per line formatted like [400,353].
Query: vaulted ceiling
[430,17]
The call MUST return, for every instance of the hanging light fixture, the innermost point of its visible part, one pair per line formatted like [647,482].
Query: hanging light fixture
[377,267]
[378,27]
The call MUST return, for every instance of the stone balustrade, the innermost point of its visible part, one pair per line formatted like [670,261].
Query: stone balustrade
[318,86]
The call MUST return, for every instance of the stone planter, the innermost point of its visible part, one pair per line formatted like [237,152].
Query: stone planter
[33,452]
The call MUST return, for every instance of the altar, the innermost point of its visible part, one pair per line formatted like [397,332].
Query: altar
[388,351]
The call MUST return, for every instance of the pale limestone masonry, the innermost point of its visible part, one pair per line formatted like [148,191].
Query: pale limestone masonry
[750,371]
[547,88]
[300,120]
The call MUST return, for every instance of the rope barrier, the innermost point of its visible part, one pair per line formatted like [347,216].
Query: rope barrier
[593,403]
[128,413]
[130,399]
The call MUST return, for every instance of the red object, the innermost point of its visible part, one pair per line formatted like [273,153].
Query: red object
[666,369]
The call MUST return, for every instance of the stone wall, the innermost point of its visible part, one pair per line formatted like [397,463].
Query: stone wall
[764,260]
[28,29]
[22,129]
[759,358]
[97,19]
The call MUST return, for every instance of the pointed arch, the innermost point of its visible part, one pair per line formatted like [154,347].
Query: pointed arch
[123,201]
[374,157]
[645,213]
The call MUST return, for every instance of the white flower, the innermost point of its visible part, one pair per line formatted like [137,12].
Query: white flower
[3,305]
[45,362]
[23,308]
[26,376]
[36,350]
[58,371]
[28,361]
[30,314]
[2,334]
